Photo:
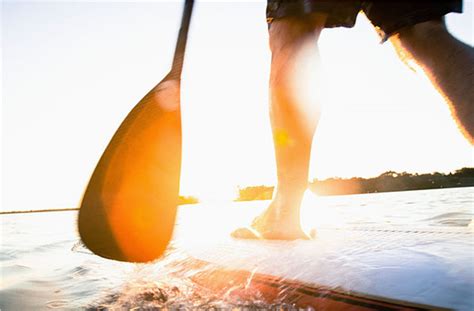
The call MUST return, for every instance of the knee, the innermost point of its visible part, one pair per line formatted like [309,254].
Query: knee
[292,32]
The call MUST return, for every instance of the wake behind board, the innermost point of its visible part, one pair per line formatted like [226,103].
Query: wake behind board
[378,267]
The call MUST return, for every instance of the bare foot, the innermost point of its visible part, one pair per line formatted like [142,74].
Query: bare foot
[275,223]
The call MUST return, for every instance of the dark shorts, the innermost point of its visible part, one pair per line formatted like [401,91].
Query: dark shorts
[387,16]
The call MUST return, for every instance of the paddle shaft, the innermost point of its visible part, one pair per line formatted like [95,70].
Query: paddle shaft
[178,59]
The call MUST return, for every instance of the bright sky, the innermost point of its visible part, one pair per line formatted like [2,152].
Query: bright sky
[71,71]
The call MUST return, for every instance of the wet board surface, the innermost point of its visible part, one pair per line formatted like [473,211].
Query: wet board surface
[366,267]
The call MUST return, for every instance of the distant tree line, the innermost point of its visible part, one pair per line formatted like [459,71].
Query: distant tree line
[255,193]
[386,182]
[187,200]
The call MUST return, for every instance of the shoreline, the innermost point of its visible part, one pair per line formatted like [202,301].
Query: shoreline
[40,211]
[235,200]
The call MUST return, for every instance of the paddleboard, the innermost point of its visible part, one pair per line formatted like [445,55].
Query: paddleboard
[376,267]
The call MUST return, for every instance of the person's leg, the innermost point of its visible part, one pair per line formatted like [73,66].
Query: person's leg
[293,98]
[294,30]
[447,62]
[418,32]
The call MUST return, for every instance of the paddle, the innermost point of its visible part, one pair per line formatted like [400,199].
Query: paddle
[129,207]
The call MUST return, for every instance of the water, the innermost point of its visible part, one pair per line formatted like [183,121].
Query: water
[44,267]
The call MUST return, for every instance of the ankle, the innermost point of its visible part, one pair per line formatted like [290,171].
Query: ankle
[290,191]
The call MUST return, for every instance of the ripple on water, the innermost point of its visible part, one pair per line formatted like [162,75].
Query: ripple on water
[58,304]
[452,219]
[8,254]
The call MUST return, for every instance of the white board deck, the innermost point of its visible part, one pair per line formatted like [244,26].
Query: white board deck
[430,266]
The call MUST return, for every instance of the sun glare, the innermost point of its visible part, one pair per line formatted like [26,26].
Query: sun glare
[315,214]
[307,85]
[377,114]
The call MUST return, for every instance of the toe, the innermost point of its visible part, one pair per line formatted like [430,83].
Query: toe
[246,233]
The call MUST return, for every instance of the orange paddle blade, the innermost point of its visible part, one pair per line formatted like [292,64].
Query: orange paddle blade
[128,210]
